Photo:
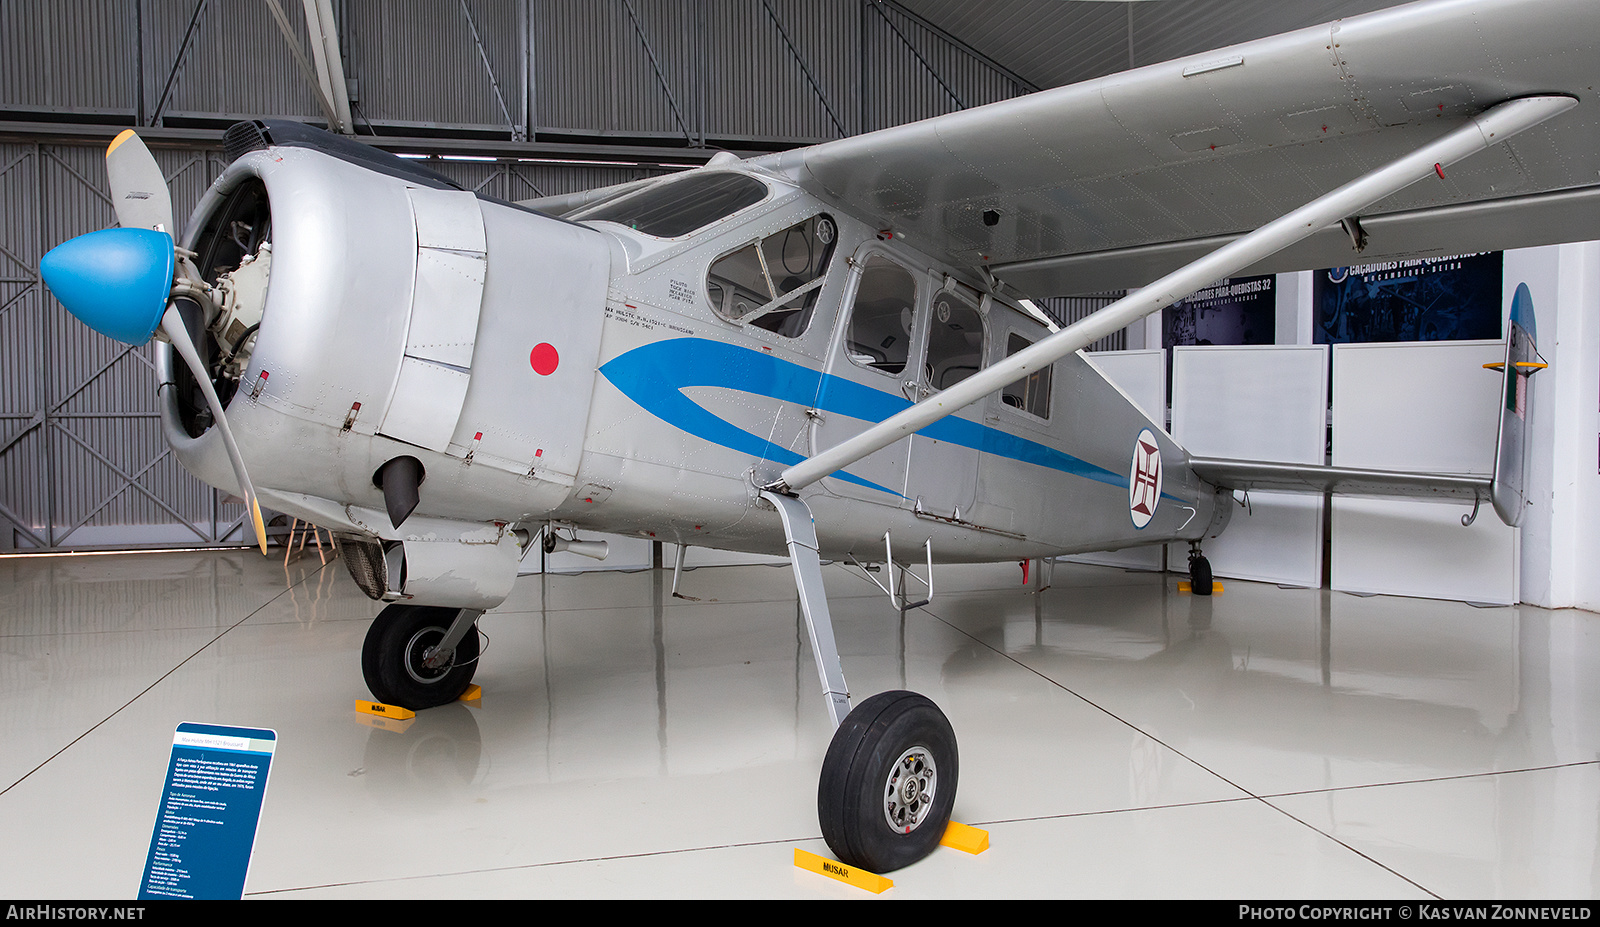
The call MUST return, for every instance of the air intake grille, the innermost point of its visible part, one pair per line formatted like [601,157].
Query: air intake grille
[364,560]
[243,138]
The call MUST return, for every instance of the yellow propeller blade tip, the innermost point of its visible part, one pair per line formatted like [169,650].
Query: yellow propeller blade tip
[122,136]
[261,529]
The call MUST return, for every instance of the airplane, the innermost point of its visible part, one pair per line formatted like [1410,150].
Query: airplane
[823,352]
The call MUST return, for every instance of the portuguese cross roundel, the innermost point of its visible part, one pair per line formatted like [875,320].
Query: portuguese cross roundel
[1144,479]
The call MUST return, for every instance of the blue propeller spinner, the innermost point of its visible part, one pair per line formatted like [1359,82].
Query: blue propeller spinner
[116,281]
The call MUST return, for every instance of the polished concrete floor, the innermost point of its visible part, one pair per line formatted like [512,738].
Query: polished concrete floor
[1118,738]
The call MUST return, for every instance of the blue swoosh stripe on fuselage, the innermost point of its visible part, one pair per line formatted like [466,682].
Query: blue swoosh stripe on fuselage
[655,376]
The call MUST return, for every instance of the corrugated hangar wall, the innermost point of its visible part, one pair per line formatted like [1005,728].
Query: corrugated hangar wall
[789,71]
[642,85]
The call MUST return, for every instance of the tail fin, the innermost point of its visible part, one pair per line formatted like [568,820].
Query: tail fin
[1510,454]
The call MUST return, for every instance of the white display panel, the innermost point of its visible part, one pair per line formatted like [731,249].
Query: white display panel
[1142,377]
[1257,402]
[1419,407]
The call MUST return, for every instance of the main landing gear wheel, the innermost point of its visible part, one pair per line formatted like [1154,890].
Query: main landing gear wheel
[888,782]
[394,657]
[1199,574]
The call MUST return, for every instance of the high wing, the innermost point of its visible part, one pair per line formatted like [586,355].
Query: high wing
[1113,182]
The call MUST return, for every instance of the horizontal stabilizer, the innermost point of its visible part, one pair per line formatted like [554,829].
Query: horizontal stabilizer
[1504,489]
[1267,476]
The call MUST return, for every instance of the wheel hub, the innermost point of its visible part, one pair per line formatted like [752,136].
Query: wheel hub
[908,792]
[422,656]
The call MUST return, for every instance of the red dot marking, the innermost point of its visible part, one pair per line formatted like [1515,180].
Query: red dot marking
[544,359]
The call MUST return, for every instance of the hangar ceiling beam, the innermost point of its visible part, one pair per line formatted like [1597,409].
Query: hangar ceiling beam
[330,69]
[585,152]
[306,70]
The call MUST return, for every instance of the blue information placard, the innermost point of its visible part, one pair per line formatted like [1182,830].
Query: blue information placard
[206,826]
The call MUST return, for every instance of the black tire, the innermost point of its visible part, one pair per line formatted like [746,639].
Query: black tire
[853,802]
[391,657]
[1200,576]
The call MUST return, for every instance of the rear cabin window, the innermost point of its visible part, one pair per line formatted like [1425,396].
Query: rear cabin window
[1031,394]
[773,283]
[880,322]
[955,342]
[679,207]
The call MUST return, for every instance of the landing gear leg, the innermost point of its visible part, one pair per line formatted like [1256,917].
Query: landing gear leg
[419,656]
[889,778]
[1199,571]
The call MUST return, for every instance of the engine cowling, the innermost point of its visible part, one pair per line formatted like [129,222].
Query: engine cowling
[360,316]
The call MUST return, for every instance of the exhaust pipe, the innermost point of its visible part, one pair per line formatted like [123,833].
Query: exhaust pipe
[594,550]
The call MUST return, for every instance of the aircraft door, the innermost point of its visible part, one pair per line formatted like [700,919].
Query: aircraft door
[943,476]
[872,373]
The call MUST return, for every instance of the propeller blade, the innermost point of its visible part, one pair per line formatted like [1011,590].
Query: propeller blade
[138,188]
[172,325]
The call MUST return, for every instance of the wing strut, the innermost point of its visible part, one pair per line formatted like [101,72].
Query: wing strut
[1494,125]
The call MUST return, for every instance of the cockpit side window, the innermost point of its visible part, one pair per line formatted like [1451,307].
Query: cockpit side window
[773,283]
[681,206]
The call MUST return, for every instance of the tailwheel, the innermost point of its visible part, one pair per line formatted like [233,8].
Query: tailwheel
[1199,573]
[888,782]
[400,662]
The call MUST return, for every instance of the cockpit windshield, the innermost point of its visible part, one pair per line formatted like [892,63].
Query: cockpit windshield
[684,205]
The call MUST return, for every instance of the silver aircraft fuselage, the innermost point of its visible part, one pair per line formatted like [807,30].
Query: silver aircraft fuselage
[589,373]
